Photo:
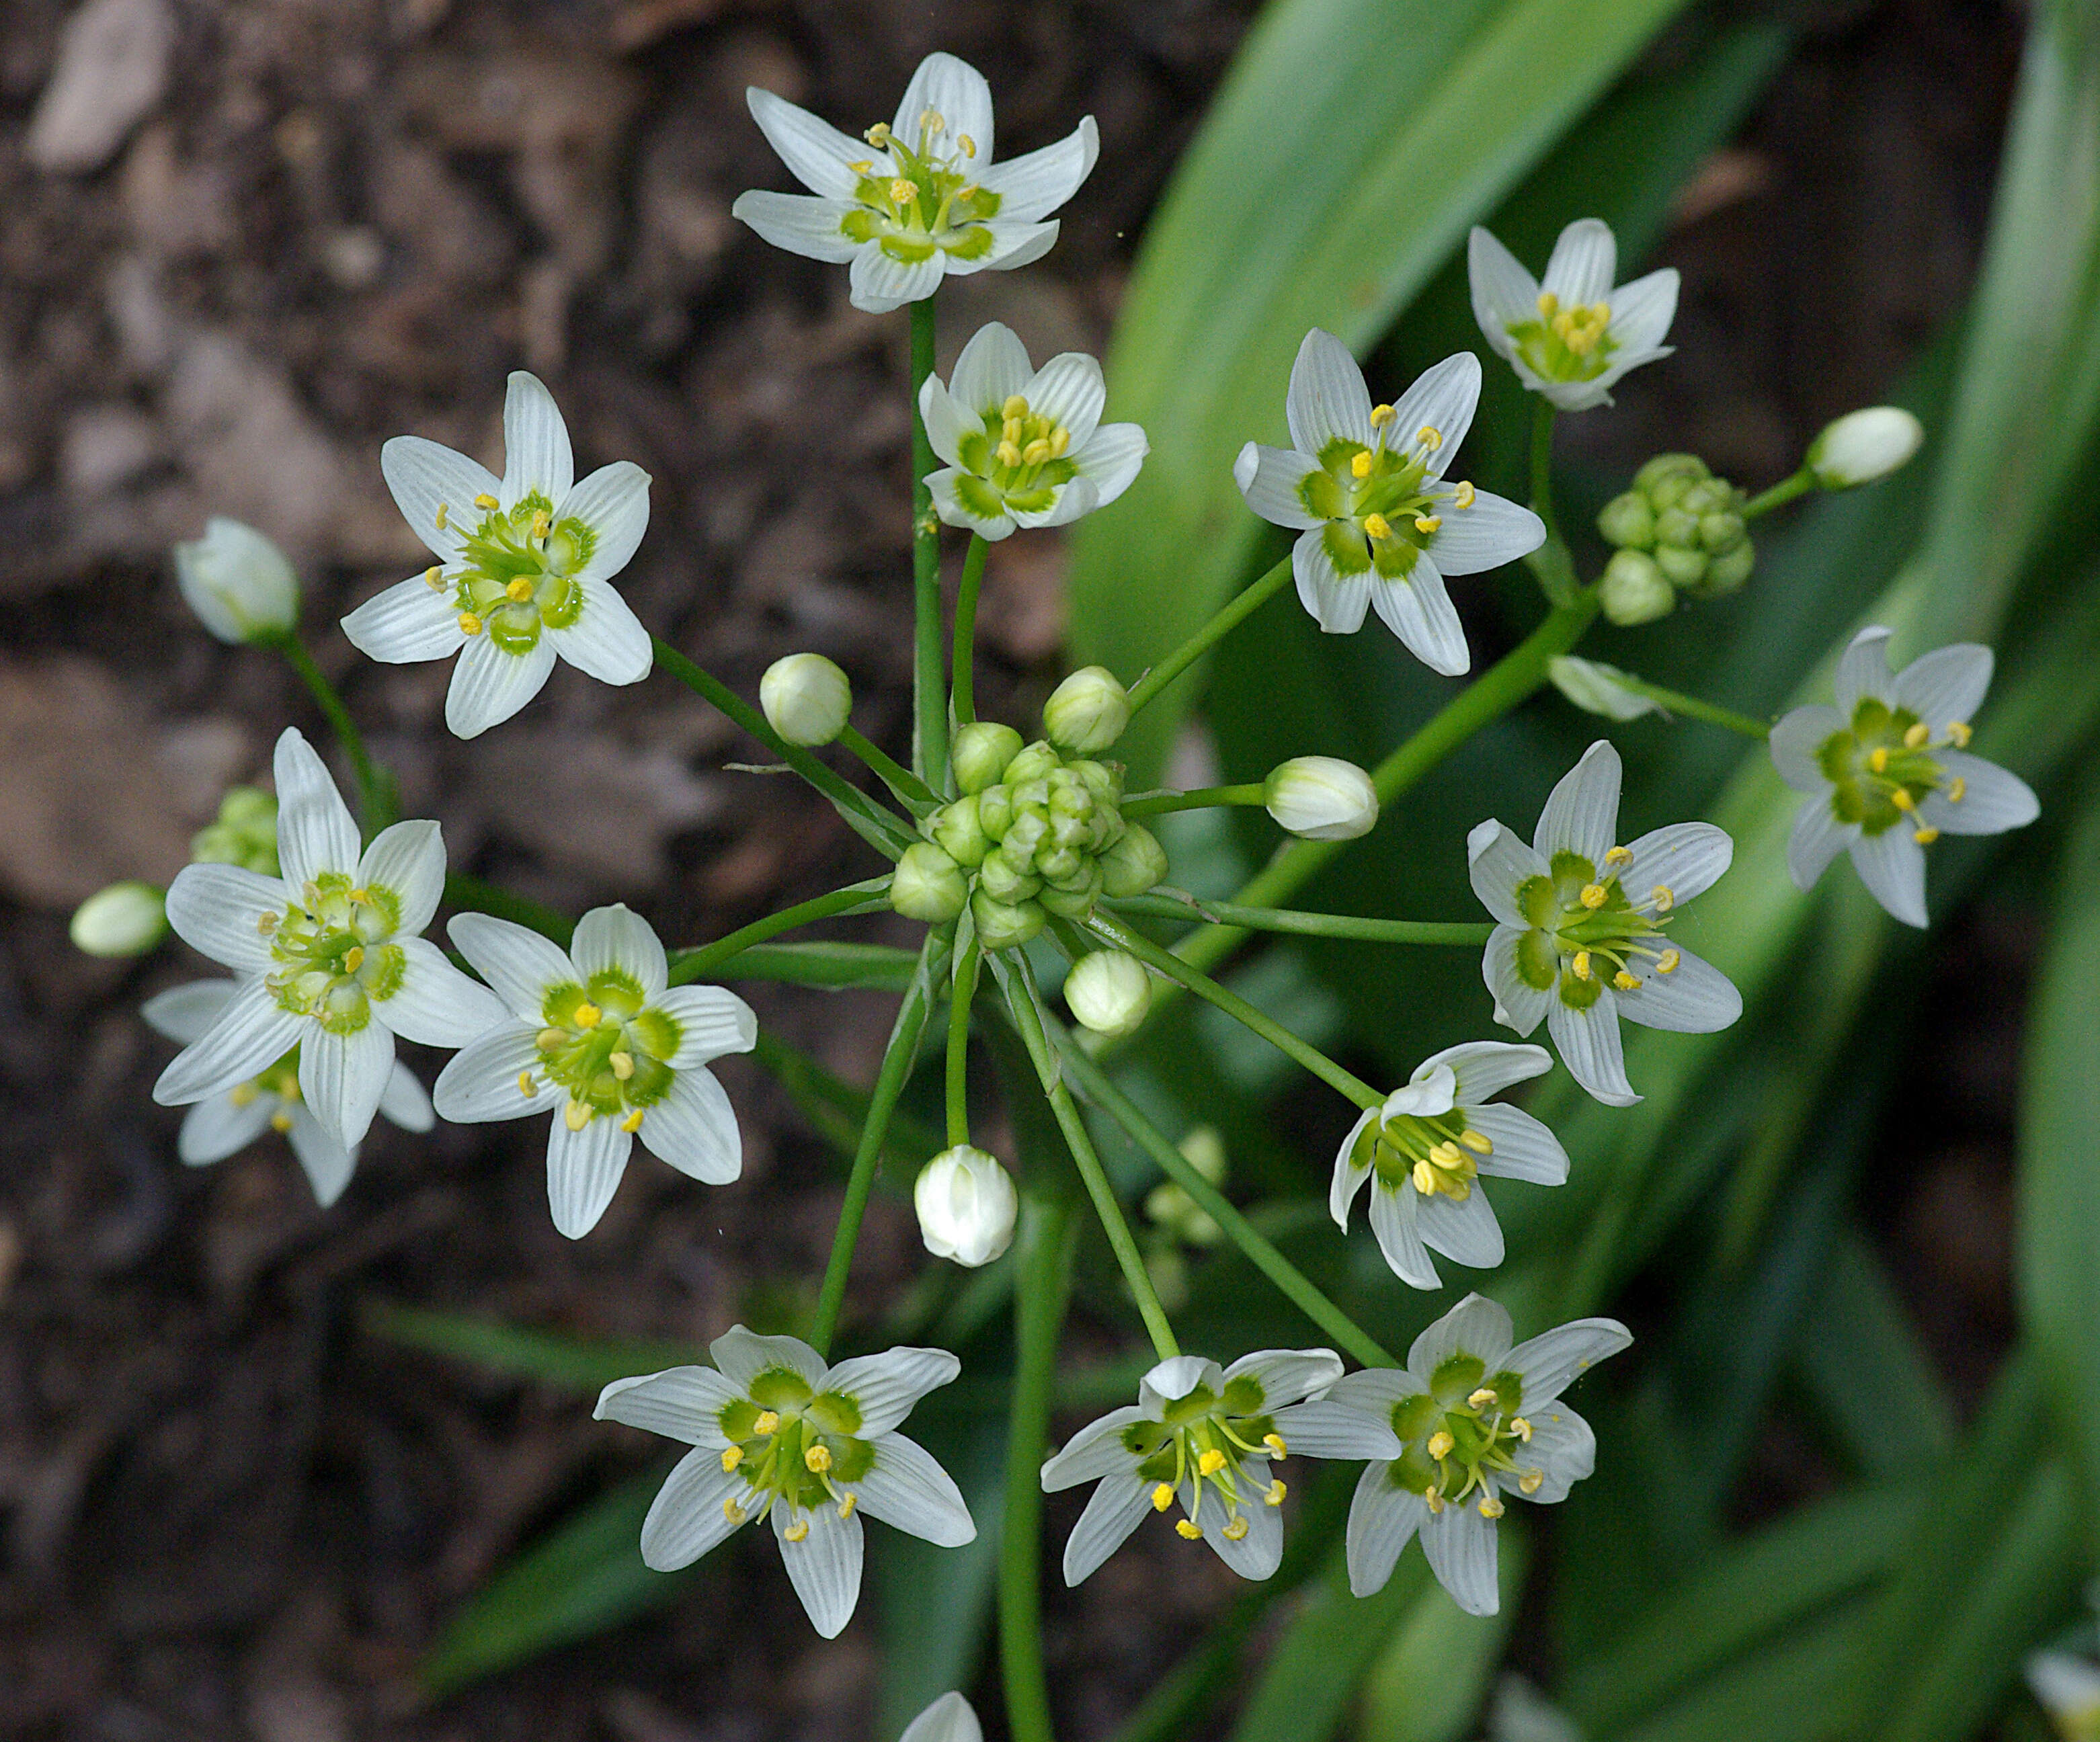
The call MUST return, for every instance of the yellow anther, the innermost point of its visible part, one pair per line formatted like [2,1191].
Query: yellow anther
[1162,1496]
[932,120]
[587,1015]
[541,524]
[267,924]
[1663,897]
[1446,1154]
[901,193]
[622,1065]
[1915,738]
[1958,733]
[1926,836]
[575,1115]
[1483,1397]
[434,578]
[1188,1529]
[1035,452]
[1008,454]
[1378,527]
[359,897]
[280,1121]
[1274,1442]
[1435,1501]
[1477,1142]
[732,1456]
[633,1122]
[818,1458]
[796,1532]
[1381,416]
[969,145]
[520,590]
[1429,436]
[485,502]
[1594,896]
[1490,1507]
[864,167]
[1877,759]
[847,1504]
[768,1422]
[1549,305]
[548,1039]
[1666,963]
[1425,1177]
[1234,1531]
[1441,1443]
[879,135]
[1521,1428]
[1011,430]
[732,1512]
[1016,406]
[1360,466]
[1276,1491]
[1619,856]
[444,515]
[1531,1481]
[291,1090]
[1902,799]
[1957,789]
[1625,981]
[1061,439]
[1210,1463]
[470,624]
[1425,524]
[353,959]
[244,1095]
[1580,964]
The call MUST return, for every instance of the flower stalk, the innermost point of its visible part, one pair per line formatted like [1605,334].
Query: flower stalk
[929,705]
[1243,605]
[378,805]
[966,628]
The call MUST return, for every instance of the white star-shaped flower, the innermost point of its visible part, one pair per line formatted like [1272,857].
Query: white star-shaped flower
[597,1034]
[1379,527]
[1476,1420]
[1885,773]
[1581,938]
[921,197]
[1423,1150]
[1204,1435]
[776,1431]
[1024,447]
[524,569]
[329,957]
[1572,336]
[226,1124]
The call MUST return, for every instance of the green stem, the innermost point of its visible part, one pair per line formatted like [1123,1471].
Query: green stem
[1237,612]
[960,999]
[966,630]
[1198,798]
[929,691]
[1784,491]
[888,1085]
[1464,933]
[472,895]
[1551,562]
[1042,1285]
[375,789]
[1508,681]
[851,801]
[1288,1280]
[912,792]
[1677,702]
[1028,1021]
[1165,962]
[692,964]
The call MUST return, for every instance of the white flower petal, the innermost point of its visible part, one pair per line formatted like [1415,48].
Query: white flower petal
[1817,838]
[1071,501]
[536,455]
[816,154]
[1563,1447]
[404,1102]
[906,1488]
[1268,478]
[1524,1148]
[1582,814]
[216,910]
[408,861]
[2066,1687]
[1337,601]
[1993,801]
[1862,669]
[948,503]
[712,1021]
[1420,612]
[618,938]
[798,224]
[1518,1004]
[1392,1223]
[1069,389]
[946,422]
[489,685]
[1489,531]
[315,832]
[614,503]
[1374,1391]
[1585,261]
[680,1402]
[1460,1544]
[1096,1450]
[1497,862]
[1256,1555]
[606,640]
[518,963]
[1429,1094]
[342,1076]
[184,1013]
[1036,183]
[990,370]
[1946,685]
[1286,1376]
[1589,1044]
[743,1355]
[1554,1360]
[1119,1506]
[410,621]
[885,1387]
[1442,398]
[1891,864]
[954,91]
[1173,1379]
[436,1005]
[948,1719]
[1642,311]
[1327,400]
[823,1566]
[218,1126]
[1012,244]
[1482,1068]
[1325,1428]
[688,1516]
[694,1129]
[1348,1178]
[583,1169]
[1113,457]
[1465,1232]
[1383,1517]
[1687,858]
[424,478]
[1504,293]
[878,283]
[251,1033]
[480,1082]
[328,1166]
[1476,1326]
[1693,998]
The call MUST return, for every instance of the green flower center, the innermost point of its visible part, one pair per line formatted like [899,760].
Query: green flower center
[1464,1429]
[1016,462]
[606,1047]
[1207,1438]
[1881,767]
[794,1446]
[1585,928]
[516,572]
[330,957]
[1570,343]
[1437,1154]
[929,203]
[1375,501]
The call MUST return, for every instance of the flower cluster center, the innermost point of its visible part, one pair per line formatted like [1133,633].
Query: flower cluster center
[1464,1430]
[1567,342]
[1376,501]
[330,951]
[1206,1438]
[1881,767]
[795,1447]
[1018,462]
[1587,927]
[516,572]
[924,198]
[606,1048]
[1439,1153]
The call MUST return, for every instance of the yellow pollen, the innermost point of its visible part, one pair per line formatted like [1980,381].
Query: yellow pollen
[485,502]
[733,1513]
[879,135]
[796,1532]
[818,1457]
[1580,964]
[1594,896]
[1426,524]
[1235,1530]
[1010,430]
[1429,436]
[1666,963]
[1162,1496]
[1915,738]
[541,525]
[1490,1507]
[267,924]
[622,1065]
[1549,305]
[1446,1154]
[1878,760]
[1477,1142]
[1425,1179]
[1958,733]
[864,167]
[470,624]
[1625,981]
[1381,416]
[1441,1443]
[1035,452]
[1462,498]
[587,1015]
[520,589]
[1274,1442]
[1619,856]
[548,1039]
[1008,454]
[1016,406]
[1360,466]
[847,1504]
[633,1122]
[292,1090]
[244,1095]
[280,1121]
[1664,898]
[1210,1463]
[732,1456]
[1531,1481]
[434,578]
[1060,439]
[1377,525]
[353,959]
[969,145]
[359,897]
[1276,1490]
[1926,836]
[1521,1428]
[444,513]
[932,120]
[1902,799]
[768,1422]
[902,191]
[1188,1529]
[1957,789]
[1482,1398]
[575,1115]
[1435,1501]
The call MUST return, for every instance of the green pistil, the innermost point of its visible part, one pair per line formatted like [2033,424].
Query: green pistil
[1577,945]
[610,1054]
[1018,462]
[1881,767]
[1371,519]
[332,959]
[517,574]
[1432,1154]
[792,1446]
[929,204]
[1203,1427]
[1570,344]
[1465,1427]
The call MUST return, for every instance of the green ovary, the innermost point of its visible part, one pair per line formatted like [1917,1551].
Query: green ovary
[517,573]
[1584,930]
[1880,768]
[929,206]
[1017,464]
[609,1053]
[1375,501]
[1434,1154]
[1464,1428]
[1565,344]
[793,1447]
[1206,1438]
[330,959]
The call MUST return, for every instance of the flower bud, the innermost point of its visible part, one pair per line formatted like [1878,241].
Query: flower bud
[1004,925]
[806,698]
[1667,477]
[1726,572]
[966,1204]
[1322,798]
[927,884]
[1132,865]
[981,752]
[1087,711]
[1039,761]
[240,584]
[1628,520]
[1598,689]
[1634,590]
[1863,446]
[244,835]
[1003,882]
[1109,991]
[1681,565]
[127,919]
[956,831]
[1075,899]
[995,810]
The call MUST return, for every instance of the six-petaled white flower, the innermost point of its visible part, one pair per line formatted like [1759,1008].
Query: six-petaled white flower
[1572,336]
[271,1100]
[597,1034]
[922,197]
[1580,940]
[329,957]
[1204,1436]
[1476,1420]
[775,1431]
[1425,1149]
[524,569]
[1885,772]
[1024,447]
[1379,527]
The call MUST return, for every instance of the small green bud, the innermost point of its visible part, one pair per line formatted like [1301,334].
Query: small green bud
[1057,864]
[1087,711]
[126,919]
[1026,837]
[927,884]
[1863,445]
[1103,779]
[1628,521]
[806,698]
[1039,761]
[249,807]
[1676,526]
[1682,567]
[1322,798]
[1134,864]
[995,810]
[1004,926]
[1679,471]
[1109,992]
[1635,590]
[1728,573]
[1721,531]
[241,586]
[981,752]
[1004,883]
[955,831]
[1078,901]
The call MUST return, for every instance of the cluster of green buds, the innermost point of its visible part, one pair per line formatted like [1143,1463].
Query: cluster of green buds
[1679,529]
[1037,830]
[245,833]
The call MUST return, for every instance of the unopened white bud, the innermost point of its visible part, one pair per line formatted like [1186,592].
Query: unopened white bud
[240,584]
[1109,991]
[1598,689]
[981,752]
[966,1204]
[127,919]
[806,698]
[1322,798]
[1133,863]
[1635,590]
[1863,446]
[927,884]
[1087,711]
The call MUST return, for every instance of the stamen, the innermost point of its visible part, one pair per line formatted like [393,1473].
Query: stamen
[1531,1481]
[1580,964]
[818,1458]
[243,1095]
[1378,527]
[1425,1179]
[1188,1529]
[1878,760]
[1619,856]
[353,959]
[1462,497]
[1016,406]
[932,120]
[1035,452]
[1521,1428]
[1902,799]
[1549,305]
[1276,1491]
[444,512]
[1625,981]
[280,1122]
[1959,732]
[1915,738]
[1010,430]
[1477,1142]
[901,193]
[622,1065]
[796,1532]
[633,1122]
[1381,416]
[548,1039]
[1663,897]
[1210,1463]
[732,1512]
[732,1456]
[1274,1442]
[1926,836]
[470,624]
[525,1084]
[864,167]
[768,1422]
[1491,1508]
[1429,436]
[878,136]
[1060,439]
[541,525]
[1957,789]
[1483,1397]
[1666,963]
[1435,1501]
[575,1115]
[267,924]
[969,145]
[587,1015]
[434,578]
[1008,454]
[1441,1443]
[1360,466]
[1594,896]
[520,589]
[485,502]
[1425,524]
[847,1504]
[1162,1496]
[1237,1529]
